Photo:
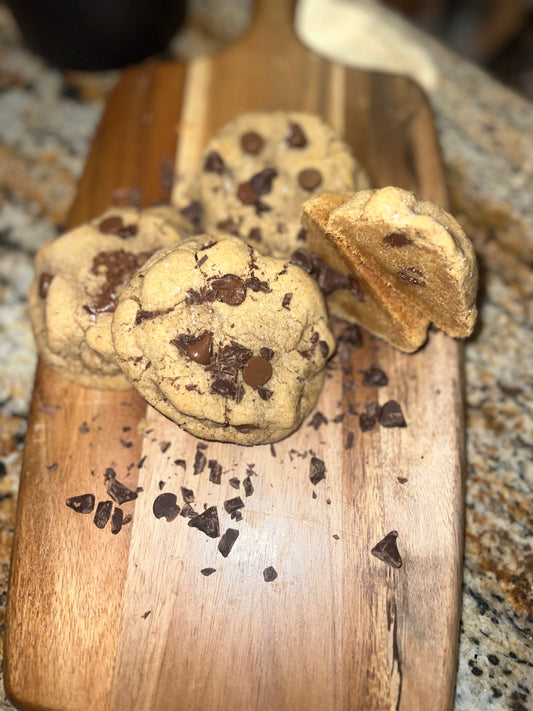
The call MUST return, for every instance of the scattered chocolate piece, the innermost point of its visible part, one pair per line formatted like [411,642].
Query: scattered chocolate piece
[374,377]
[187,511]
[103,513]
[403,479]
[296,137]
[317,470]
[391,415]
[180,463]
[387,550]
[84,503]
[163,446]
[257,285]
[187,495]
[208,571]
[165,506]
[226,542]
[207,522]
[257,372]
[269,574]
[317,420]
[349,441]
[366,422]
[117,520]
[200,460]
[252,143]
[215,471]
[235,482]
[145,614]
[118,491]
[141,462]
[84,428]
[161,485]
[231,506]
[309,179]
[336,537]
[248,486]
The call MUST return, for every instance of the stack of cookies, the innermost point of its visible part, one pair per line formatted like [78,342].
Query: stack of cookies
[221,320]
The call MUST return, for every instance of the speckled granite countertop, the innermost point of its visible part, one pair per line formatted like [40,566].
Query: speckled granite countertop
[47,119]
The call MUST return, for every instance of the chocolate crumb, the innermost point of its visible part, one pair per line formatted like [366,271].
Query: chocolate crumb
[269,574]
[391,415]
[226,542]
[165,506]
[403,479]
[317,420]
[374,377]
[84,503]
[103,513]
[84,428]
[208,571]
[145,614]
[163,446]
[317,470]
[207,522]
[180,463]
[336,537]
[387,550]
[161,485]
[141,462]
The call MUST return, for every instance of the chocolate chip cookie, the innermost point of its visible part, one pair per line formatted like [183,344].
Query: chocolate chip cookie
[257,171]
[229,344]
[78,279]
[411,261]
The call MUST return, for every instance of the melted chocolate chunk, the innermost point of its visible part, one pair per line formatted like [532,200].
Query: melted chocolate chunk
[226,542]
[257,372]
[84,503]
[119,492]
[296,137]
[264,393]
[257,285]
[103,513]
[317,470]
[229,289]
[309,179]
[269,574]
[328,279]
[44,284]
[391,415]
[201,349]
[118,267]
[397,239]
[387,550]
[165,506]
[252,143]
[117,520]
[214,163]
[374,377]
[207,522]
[412,276]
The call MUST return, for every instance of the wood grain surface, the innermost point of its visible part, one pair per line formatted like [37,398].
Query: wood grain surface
[128,621]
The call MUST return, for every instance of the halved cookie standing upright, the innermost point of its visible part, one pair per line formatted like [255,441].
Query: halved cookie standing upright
[411,260]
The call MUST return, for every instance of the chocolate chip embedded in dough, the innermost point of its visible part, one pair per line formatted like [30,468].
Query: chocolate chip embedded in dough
[296,137]
[214,163]
[257,372]
[246,194]
[201,349]
[252,143]
[309,179]
[412,276]
[397,239]
[261,182]
[44,284]
[111,225]
[230,289]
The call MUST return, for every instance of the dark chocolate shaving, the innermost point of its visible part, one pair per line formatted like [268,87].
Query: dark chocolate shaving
[248,486]
[117,520]
[215,471]
[200,460]
[103,513]
[317,470]
[208,571]
[231,506]
[187,495]
[119,492]
[391,415]
[374,377]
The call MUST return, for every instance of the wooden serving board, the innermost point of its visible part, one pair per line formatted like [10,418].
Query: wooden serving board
[114,622]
